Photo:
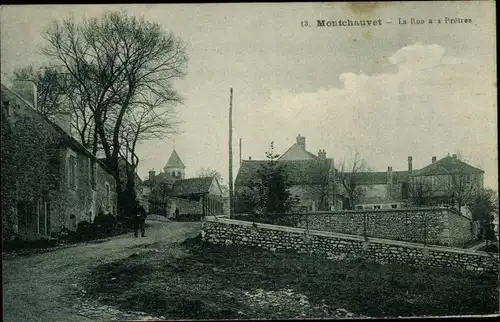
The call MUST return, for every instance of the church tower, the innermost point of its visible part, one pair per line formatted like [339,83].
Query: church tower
[174,167]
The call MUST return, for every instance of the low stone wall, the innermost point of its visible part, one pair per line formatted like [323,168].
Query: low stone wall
[436,226]
[341,246]
[185,206]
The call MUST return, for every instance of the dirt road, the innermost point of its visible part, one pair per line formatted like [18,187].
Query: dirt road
[45,287]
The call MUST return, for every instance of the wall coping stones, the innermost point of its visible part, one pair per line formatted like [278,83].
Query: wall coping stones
[350,237]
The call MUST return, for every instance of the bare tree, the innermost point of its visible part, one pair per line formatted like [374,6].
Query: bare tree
[147,120]
[158,198]
[322,181]
[118,64]
[420,191]
[50,94]
[209,172]
[465,184]
[484,207]
[348,178]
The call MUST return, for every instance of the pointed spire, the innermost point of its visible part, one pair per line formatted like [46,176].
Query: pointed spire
[174,161]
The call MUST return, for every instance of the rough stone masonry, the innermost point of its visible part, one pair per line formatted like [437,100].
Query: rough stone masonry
[341,246]
[432,225]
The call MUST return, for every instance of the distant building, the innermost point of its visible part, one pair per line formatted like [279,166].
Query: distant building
[49,180]
[449,180]
[315,181]
[310,177]
[382,190]
[440,183]
[170,190]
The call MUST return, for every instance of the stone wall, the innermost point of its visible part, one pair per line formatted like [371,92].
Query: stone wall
[460,228]
[437,226]
[84,201]
[185,206]
[340,246]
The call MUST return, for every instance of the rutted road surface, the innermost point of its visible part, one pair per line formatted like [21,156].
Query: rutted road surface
[42,287]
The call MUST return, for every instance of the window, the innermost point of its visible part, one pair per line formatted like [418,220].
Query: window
[92,173]
[72,172]
[394,206]
[376,207]
[43,217]
[107,196]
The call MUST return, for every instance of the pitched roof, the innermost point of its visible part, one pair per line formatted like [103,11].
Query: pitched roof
[174,161]
[297,152]
[447,165]
[192,186]
[298,171]
[64,137]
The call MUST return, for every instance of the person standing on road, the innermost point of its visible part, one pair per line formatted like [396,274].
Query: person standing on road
[139,220]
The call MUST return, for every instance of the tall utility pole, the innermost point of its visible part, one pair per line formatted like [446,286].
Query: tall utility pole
[231,153]
[240,152]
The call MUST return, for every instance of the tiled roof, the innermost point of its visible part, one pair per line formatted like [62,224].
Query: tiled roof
[174,161]
[192,186]
[447,165]
[298,171]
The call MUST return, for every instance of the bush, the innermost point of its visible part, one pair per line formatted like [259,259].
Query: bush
[18,244]
[107,225]
[84,230]
[491,248]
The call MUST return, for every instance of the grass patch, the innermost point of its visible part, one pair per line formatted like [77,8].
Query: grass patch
[215,282]
[22,246]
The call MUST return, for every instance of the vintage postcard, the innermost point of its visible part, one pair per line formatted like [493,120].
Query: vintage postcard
[249,161]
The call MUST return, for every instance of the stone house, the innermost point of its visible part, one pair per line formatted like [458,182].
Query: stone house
[441,183]
[382,190]
[170,190]
[310,177]
[450,181]
[49,180]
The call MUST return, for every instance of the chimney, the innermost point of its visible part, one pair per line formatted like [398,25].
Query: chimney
[26,89]
[151,174]
[433,159]
[454,156]
[322,154]
[249,158]
[410,163]
[301,140]
[64,121]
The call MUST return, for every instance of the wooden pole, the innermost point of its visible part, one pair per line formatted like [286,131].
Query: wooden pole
[231,153]
[240,152]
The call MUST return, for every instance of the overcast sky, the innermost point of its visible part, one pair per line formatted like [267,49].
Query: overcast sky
[388,92]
